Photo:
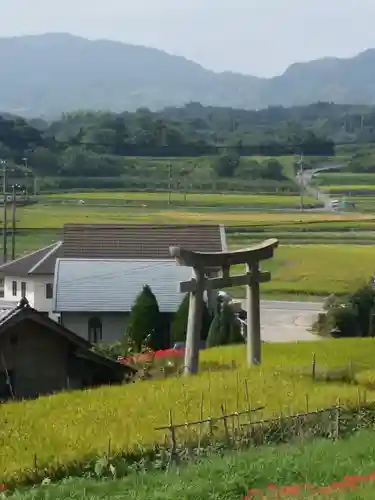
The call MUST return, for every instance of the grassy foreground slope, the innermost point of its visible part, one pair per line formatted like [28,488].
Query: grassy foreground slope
[70,428]
[230,477]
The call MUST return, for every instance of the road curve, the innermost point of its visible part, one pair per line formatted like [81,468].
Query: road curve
[287,321]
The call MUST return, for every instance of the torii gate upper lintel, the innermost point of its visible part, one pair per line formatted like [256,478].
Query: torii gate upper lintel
[202,262]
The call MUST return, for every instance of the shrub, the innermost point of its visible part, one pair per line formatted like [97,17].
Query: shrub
[343,321]
[351,316]
[362,301]
[224,329]
[113,351]
[214,337]
[144,321]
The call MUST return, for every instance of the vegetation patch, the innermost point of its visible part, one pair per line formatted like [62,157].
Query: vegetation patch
[317,270]
[79,426]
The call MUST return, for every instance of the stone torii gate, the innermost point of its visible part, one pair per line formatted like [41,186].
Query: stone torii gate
[203,263]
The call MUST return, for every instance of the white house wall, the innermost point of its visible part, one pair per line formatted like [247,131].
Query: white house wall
[35,292]
[8,289]
[113,324]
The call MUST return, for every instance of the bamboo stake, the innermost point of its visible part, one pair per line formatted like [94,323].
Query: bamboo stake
[200,426]
[173,439]
[225,424]
[313,368]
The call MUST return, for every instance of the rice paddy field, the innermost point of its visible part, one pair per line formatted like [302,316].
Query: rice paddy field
[65,431]
[54,216]
[308,271]
[319,253]
[214,200]
[357,188]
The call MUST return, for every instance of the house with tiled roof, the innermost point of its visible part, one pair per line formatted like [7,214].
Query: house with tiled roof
[90,279]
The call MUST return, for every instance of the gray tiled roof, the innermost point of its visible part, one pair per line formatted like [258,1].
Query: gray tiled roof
[29,263]
[99,285]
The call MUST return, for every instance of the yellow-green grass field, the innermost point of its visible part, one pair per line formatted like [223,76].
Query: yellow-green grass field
[346,179]
[198,199]
[314,271]
[72,427]
[350,189]
[319,269]
[55,216]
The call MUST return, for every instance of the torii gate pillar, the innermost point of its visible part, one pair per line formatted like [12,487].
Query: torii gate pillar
[203,262]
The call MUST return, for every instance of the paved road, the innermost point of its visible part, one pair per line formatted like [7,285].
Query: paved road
[284,321]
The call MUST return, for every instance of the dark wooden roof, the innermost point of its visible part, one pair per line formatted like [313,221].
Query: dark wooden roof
[118,241]
[22,313]
[138,241]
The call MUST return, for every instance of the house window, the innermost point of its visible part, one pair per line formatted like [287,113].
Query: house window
[95,330]
[23,289]
[49,291]
[14,288]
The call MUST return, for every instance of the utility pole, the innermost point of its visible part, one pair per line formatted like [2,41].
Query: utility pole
[301,178]
[5,222]
[14,207]
[28,169]
[164,144]
[170,185]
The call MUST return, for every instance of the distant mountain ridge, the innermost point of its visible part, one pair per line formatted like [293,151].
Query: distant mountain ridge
[45,75]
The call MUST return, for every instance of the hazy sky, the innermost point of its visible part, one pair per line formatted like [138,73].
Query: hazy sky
[260,37]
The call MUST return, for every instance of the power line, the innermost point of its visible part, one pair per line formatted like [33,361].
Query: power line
[113,274]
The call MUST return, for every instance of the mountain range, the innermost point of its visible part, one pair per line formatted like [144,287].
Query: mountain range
[45,75]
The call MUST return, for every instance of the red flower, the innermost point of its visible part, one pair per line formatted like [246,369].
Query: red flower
[290,490]
[342,485]
[3,487]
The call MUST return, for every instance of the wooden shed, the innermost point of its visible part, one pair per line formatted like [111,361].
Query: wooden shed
[39,356]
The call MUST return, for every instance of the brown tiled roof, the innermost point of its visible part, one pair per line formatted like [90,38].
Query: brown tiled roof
[98,241]
[138,241]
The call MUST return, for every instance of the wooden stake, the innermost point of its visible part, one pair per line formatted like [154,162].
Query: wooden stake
[337,421]
[227,436]
[200,426]
[173,438]
[248,404]
[313,366]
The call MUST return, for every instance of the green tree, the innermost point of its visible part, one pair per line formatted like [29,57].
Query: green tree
[225,328]
[180,320]
[226,164]
[144,320]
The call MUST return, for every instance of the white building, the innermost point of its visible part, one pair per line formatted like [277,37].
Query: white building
[33,275]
